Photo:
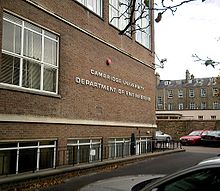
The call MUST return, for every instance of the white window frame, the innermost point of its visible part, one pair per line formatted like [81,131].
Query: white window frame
[167,82]
[143,27]
[142,145]
[181,106]
[170,106]
[200,117]
[192,106]
[159,100]
[119,147]
[214,91]
[180,93]
[95,6]
[170,93]
[203,105]
[38,147]
[89,142]
[118,14]
[191,93]
[215,105]
[29,60]
[213,117]
[203,92]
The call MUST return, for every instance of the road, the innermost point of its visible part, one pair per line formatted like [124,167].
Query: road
[165,164]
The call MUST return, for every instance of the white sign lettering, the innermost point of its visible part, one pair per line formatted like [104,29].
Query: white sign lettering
[115,79]
[105,87]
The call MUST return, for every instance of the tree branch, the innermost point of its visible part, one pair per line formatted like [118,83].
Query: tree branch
[144,8]
[206,62]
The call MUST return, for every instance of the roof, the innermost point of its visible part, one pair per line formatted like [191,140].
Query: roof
[190,83]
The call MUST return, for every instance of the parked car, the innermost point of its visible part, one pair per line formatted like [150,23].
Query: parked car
[212,138]
[194,138]
[201,177]
[161,136]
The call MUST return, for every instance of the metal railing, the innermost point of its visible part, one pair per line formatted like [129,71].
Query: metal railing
[79,155]
[114,151]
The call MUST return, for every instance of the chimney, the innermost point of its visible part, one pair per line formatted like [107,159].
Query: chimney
[157,78]
[187,76]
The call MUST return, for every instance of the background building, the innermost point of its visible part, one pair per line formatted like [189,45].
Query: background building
[72,90]
[188,104]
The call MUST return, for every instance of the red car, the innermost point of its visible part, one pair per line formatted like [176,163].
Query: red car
[194,138]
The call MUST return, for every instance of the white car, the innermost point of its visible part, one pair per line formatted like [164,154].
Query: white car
[160,136]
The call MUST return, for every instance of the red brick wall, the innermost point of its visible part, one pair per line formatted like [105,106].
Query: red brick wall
[78,54]
[59,131]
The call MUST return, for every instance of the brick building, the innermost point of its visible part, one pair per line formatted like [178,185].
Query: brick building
[189,94]
[72,89]
[186,105]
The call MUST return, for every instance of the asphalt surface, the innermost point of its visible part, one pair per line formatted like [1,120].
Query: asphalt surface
[136,172]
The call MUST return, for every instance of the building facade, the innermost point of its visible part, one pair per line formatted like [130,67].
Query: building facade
[72,90]
[190,98]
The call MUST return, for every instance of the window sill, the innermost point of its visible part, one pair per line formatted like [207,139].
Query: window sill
[30,91]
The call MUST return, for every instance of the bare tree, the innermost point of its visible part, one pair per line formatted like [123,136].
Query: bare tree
[144,8]
[207,62]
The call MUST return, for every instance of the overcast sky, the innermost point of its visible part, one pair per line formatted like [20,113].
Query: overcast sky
[195,28]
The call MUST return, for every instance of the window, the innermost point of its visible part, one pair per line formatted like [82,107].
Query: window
[200,117]
[159,107]
[180,93]
[119,13]
[214,91]
[159,102]
[203,105]
[18,157]
[213,117]
[215,105]
[203,92]
[191,93]
[95,6]
[29,56]
[119,147]
[181,106]
[143,29]
[162,117]
[83,150]
[169,106]
[192,105]
[174,117]
[143,145]
[167,82]
[170,93]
